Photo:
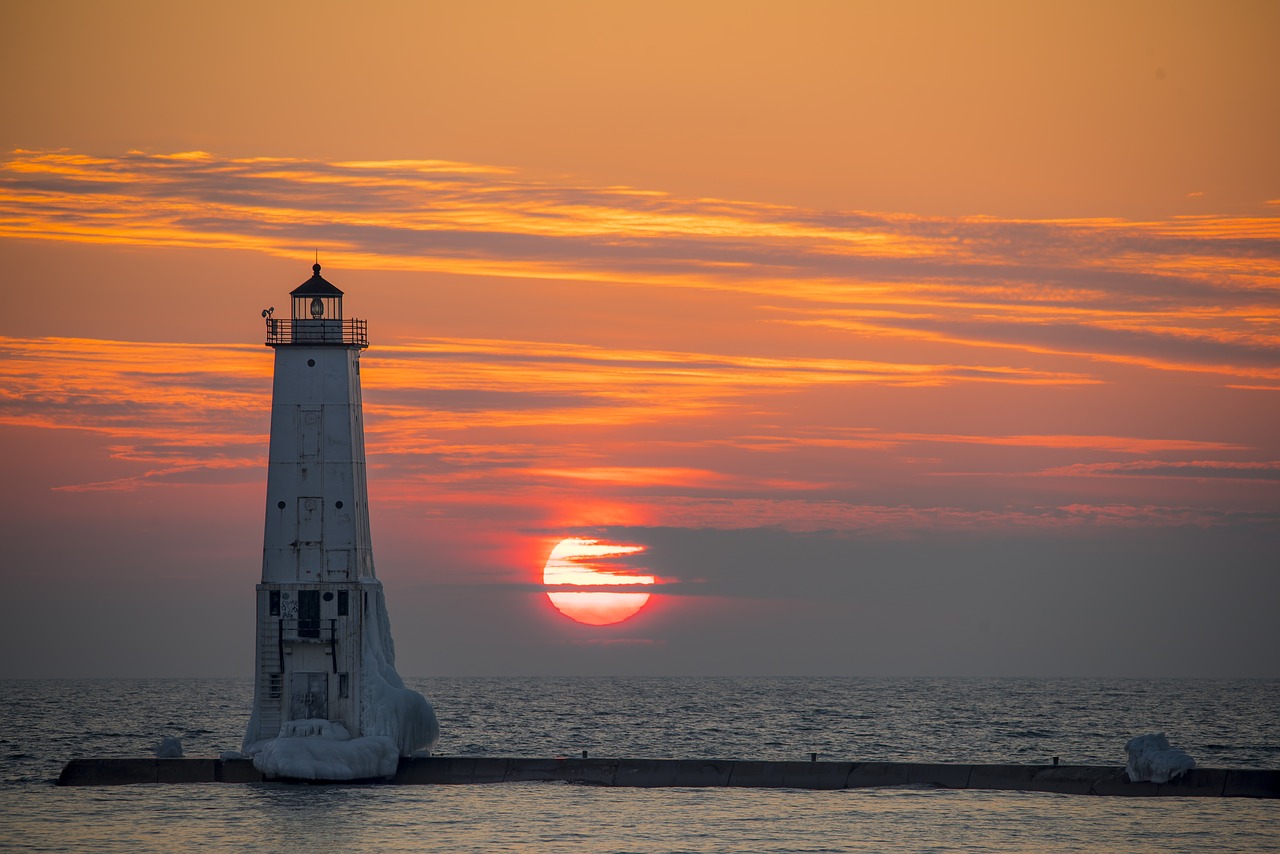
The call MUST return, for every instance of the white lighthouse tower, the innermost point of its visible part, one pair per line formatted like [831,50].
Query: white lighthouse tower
[326,693]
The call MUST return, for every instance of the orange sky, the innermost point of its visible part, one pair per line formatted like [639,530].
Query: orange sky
[855,317]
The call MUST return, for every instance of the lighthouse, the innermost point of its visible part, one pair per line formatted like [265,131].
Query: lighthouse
[328,702]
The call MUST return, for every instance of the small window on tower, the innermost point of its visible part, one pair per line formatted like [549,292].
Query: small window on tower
[309,614]
[275,685]
[273,603]
[344,603]
[343,686]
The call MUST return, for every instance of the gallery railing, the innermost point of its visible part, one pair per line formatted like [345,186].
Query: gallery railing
[351,333]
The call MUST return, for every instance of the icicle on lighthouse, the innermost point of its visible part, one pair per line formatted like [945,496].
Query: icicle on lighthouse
[326,692]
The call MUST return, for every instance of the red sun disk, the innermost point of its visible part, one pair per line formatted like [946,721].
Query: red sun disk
[576,562]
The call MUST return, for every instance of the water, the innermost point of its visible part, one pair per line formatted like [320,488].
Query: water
[1220,723]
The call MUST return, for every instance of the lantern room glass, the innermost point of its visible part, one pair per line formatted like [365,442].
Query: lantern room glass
[317,308]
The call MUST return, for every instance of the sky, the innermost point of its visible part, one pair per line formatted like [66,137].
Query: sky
[888,339]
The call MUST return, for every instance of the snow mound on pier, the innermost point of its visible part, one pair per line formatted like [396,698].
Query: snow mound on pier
[1152,760]
[169,748]
[315,749]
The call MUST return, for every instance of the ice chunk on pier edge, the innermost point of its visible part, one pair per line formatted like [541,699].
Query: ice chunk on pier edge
[1152,760]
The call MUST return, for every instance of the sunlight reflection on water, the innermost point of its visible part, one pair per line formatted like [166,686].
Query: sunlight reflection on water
[540,817]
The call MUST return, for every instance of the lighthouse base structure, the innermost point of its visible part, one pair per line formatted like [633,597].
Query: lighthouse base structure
[315,741]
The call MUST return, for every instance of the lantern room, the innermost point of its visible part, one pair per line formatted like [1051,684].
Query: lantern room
[316,299]
[315,317]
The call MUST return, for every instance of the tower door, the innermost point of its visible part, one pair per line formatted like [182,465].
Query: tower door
[310,543]
[309,696]
[311,424]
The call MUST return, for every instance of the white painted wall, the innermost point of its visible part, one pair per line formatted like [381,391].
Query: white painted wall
[316,469]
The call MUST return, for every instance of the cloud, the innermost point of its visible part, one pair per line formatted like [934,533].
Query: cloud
[552,436]
[1193,293]
[779,564]
[829,516]
[179,412]
[1266,470]
[860,374]
[872,438]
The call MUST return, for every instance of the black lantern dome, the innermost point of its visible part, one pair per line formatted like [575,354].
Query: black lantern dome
[316,299]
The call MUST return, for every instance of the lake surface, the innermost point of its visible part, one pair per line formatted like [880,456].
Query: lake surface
[1221,723]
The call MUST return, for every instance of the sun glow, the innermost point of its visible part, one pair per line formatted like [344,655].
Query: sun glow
[577,562]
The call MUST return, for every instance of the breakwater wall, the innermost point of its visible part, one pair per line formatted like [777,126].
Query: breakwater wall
[653,773]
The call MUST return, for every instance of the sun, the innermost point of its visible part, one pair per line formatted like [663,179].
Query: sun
[577,562]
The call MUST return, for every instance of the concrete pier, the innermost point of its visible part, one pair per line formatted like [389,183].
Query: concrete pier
[654,773]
